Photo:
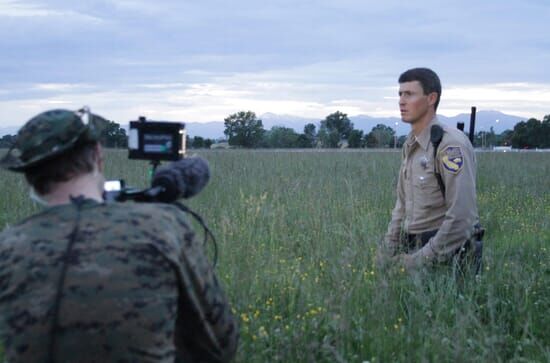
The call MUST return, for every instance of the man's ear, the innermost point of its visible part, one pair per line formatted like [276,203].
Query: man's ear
[99,157]
[432,98]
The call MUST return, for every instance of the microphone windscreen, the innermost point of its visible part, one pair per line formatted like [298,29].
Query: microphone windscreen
[195,173]
[182,179]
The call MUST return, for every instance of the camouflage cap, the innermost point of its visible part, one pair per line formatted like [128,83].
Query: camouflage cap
[50,134]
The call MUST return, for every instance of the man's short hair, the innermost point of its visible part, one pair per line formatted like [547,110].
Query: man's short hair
[78,160]
[428,80]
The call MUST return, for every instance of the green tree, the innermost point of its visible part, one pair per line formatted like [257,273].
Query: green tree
[370,140]
[355,139]
[7,140]
[112,135]
[303,142]
[282,137]
[197,142]
[244,129]
[208,143]
[310,135]
[381,136]
[334,129]
[545,132]
[528,134]
[505,139]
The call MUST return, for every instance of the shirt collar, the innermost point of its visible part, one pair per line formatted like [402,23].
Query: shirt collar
[80,200]
[424,138]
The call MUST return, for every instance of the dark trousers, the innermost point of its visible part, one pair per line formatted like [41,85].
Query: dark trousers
[467,258]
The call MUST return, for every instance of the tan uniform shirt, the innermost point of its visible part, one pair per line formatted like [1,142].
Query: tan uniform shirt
[420,205]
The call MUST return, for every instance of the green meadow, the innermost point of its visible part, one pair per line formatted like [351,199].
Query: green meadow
[297,234]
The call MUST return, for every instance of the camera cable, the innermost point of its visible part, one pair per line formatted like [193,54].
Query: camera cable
[207,231]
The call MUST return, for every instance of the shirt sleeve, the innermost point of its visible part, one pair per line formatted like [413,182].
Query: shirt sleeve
[392,236]
[457,166]
[206,330]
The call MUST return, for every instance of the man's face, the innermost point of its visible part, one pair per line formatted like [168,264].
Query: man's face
[413,103]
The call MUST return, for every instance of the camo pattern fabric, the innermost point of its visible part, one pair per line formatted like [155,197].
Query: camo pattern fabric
[49,134]
[138,288]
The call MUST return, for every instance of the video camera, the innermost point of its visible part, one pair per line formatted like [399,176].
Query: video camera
[184,177]
[157,141]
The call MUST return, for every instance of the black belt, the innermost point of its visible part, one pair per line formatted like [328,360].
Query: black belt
[418,240]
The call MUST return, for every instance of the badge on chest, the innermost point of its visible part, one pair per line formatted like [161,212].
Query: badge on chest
[424,162]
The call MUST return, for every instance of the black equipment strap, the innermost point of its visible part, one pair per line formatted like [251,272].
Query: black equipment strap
[65,259]
[436,135]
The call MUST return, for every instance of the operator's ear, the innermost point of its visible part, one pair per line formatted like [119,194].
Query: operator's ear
[99,157]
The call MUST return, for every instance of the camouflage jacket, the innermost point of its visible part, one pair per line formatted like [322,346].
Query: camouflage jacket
[137,287]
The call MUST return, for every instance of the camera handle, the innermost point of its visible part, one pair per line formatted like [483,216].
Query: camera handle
[154,165]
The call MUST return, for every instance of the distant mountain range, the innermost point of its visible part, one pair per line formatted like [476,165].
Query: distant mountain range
[214,129]
[484,121]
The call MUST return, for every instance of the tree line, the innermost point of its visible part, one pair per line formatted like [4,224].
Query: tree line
[244,129]
[111,136]
[530,134]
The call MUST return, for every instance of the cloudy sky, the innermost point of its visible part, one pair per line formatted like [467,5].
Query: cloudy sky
[203,60]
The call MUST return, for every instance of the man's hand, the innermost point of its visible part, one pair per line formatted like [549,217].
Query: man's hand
[383,257]
[408,262]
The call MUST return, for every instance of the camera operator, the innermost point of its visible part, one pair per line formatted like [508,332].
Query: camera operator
[88,281]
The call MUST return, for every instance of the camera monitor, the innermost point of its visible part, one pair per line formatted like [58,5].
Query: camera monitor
[156,140]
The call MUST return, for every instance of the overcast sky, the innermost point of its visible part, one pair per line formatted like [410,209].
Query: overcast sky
[203,60]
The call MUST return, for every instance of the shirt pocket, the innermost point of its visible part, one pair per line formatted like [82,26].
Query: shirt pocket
[427,194]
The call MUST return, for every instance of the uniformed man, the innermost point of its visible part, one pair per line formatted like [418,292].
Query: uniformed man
[435,215]
[88,281]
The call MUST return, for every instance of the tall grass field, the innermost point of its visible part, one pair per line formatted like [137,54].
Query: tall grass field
[297,234]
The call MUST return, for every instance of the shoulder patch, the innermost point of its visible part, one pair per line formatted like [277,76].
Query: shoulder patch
[452,159]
